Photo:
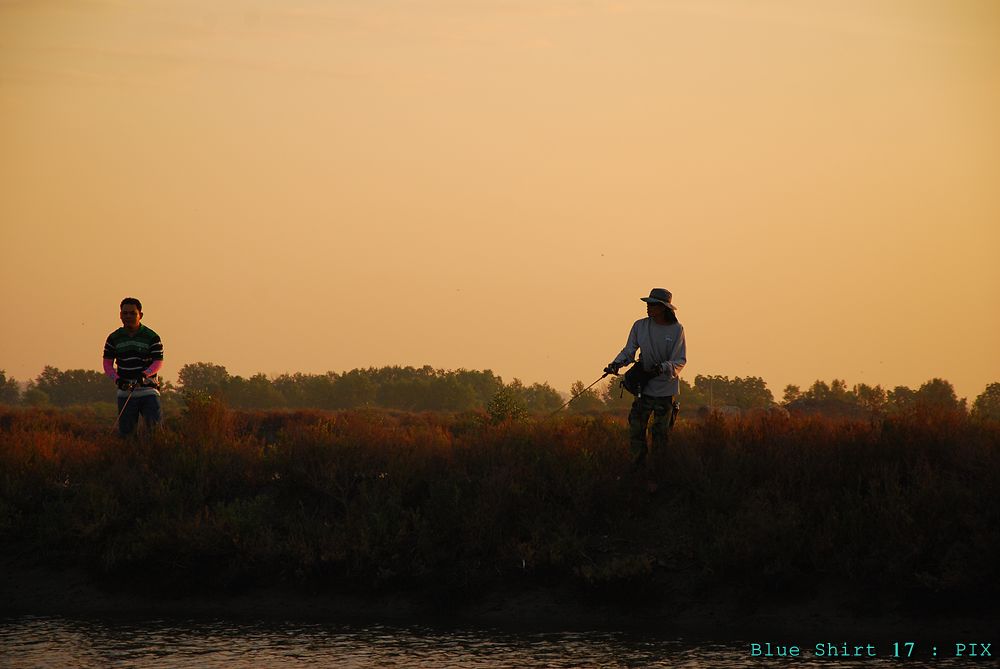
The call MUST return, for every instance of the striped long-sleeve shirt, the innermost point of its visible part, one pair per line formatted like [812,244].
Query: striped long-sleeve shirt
[134,353]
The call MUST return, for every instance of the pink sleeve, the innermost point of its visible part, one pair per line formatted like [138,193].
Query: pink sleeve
[109,369]
[154,368]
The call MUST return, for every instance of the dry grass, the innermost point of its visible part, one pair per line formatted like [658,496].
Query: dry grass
[374,500]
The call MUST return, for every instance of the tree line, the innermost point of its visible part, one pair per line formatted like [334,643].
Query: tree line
[402,388]
[430,389]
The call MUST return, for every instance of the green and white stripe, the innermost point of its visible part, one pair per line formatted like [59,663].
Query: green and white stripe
[133,353]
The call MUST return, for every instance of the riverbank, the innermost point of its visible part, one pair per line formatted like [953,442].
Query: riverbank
[795,521]
[38,591]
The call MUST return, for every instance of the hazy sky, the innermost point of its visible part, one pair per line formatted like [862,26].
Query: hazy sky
[306,185]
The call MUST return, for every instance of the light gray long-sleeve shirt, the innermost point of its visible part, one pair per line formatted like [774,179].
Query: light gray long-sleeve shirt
[658,344]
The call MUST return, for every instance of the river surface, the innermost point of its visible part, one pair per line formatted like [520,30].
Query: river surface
[53,642]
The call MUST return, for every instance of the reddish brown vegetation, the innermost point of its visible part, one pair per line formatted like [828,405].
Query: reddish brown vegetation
[905,508]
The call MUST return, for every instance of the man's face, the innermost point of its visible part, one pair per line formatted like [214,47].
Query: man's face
[130,316]
[655,310]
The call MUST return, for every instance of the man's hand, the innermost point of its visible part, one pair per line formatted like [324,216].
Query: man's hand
[663,367]
[612,368]
[125,384]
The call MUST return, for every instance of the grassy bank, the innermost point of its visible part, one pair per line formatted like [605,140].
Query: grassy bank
[903,511]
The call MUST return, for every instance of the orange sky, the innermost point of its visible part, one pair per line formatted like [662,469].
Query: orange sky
[312,186]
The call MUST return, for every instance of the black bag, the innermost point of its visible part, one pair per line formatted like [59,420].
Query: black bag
[636,378]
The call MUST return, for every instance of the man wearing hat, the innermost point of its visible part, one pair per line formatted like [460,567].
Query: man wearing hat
[659,338]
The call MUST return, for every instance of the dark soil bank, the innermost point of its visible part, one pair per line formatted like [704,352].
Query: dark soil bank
[43,592]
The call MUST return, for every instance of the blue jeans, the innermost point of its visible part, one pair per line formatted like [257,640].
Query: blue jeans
[148,407]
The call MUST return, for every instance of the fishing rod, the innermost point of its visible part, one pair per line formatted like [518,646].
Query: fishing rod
[131,389]
[580,393]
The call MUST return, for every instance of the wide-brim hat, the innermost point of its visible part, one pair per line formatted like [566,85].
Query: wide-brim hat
[660,296]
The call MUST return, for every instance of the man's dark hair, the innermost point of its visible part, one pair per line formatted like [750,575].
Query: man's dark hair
[669,315]
[131,300]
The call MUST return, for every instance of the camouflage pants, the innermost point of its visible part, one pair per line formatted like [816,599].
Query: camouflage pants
[638,417]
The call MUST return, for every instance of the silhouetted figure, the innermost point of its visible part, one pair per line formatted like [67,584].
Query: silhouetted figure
[654,379]
[137,352]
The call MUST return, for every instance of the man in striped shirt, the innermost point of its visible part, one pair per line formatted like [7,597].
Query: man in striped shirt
[137,352]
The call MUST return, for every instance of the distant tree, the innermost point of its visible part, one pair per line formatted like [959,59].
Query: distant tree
[614,396]
[484,384]
[833,399]
[750,392]
[427,388]
[936,393]
[585,400]
[292,389]
[505,405]
[319,391]
[10,393]
[401,388]
[516,387]
[448,392]
[325,391]
[987,405]
[405,388]
[715,387]
[536,398]
[870,398]
[354,389]
[901,398]
[791,394]
[839,391]
[690,395]
[203,377]
[819,391]
[170,397]
[940,394]
[33,397]
[253,393]
[753,393]
[541,397]
[74,386]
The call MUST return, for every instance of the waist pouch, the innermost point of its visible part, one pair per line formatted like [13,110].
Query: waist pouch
[636,378]
[143,382]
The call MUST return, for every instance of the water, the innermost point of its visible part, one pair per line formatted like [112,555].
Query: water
[52,642]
